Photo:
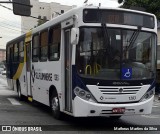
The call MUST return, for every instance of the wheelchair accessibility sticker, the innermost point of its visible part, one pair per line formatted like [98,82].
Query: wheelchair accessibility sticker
[126,73]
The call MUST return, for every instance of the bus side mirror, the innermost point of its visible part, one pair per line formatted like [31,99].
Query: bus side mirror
[74,36]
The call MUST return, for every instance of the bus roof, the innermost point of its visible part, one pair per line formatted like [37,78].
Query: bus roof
[72,12]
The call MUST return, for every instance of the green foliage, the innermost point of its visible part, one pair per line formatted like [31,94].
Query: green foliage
[40,22]
[151,6]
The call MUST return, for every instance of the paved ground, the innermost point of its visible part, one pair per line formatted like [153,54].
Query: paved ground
[15,112]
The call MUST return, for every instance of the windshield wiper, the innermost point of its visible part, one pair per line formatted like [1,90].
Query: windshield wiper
[106,40]
[134,37]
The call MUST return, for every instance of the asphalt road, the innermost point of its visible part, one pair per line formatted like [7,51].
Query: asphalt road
[28,115]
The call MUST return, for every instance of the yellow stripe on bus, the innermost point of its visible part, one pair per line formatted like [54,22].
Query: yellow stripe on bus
[25,54]
[19,71]
[28,37]
[30,99]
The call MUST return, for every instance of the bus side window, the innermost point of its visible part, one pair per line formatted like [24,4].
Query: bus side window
[35,48]
[54,43]
[11,53]
[43,46]
[8,54]
[21,51]
[16,57]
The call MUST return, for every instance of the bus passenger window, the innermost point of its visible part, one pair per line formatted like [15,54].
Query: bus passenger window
[16,57]
[54,43]
[8,54]
[21,51]
[43,46]
[35,48]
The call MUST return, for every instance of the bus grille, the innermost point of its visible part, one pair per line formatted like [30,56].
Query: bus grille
[119,90]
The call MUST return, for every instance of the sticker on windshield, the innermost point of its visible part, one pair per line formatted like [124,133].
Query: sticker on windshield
[118,37]
[126,73]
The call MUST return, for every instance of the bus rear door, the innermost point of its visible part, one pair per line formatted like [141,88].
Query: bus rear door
[28,65]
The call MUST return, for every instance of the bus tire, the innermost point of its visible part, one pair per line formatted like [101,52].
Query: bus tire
[115,117]
[20,96]
[55,107]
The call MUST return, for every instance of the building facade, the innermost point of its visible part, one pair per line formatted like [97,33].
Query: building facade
[42,10]
[2,55]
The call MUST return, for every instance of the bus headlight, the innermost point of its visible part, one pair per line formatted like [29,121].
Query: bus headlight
[84,94]
[148,95]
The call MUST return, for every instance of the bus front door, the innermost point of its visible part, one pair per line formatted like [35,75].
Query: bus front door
[67,58]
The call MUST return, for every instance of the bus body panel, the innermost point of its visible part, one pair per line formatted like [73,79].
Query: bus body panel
[42,79]
[22,81]
[113,94]
[82,108]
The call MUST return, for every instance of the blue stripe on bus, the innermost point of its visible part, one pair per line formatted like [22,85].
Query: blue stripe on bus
[77,81]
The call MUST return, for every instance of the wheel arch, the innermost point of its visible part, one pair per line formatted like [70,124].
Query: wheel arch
[52,91]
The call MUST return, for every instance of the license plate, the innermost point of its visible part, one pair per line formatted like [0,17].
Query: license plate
[118,110]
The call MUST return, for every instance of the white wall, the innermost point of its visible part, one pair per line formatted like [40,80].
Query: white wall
[41,9]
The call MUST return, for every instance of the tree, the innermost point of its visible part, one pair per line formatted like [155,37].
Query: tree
[41,21]
[151,6]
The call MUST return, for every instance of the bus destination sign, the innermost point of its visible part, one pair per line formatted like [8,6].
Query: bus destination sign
[118,17]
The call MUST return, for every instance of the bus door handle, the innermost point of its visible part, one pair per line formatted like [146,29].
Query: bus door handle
[24,78]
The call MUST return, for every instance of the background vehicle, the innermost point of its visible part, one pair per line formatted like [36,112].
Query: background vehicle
[90,61]
[2,68]
[3,72]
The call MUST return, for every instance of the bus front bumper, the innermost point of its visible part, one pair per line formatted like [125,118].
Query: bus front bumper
[83,108]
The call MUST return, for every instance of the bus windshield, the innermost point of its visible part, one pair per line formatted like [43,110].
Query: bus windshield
[125,49]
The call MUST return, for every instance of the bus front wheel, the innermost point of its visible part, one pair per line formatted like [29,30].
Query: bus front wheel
[55,107]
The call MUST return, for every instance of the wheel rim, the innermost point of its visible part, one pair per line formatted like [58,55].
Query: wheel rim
[55,104]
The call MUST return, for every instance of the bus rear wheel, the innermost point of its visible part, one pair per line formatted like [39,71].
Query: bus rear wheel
[55,107]
[20,96]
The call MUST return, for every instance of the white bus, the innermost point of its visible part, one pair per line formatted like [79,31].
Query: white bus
[89,61]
